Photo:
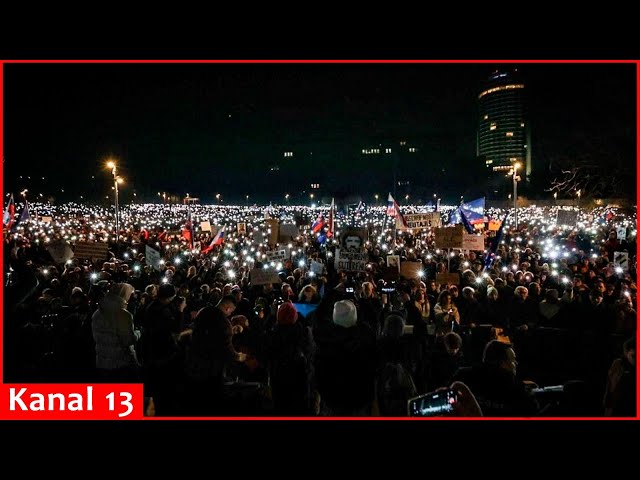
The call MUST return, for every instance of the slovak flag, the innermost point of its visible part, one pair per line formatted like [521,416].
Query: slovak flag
[9,213]
[393,208]
[318,224]
[217,240]
[331,219]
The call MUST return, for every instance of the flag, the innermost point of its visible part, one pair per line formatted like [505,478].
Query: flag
[473,210]
[331,230]
[465,222]
[24,216]
[187,231]
[9,213]
[393,208]
[217,240]
[318,224]
[401,223]
[491,254]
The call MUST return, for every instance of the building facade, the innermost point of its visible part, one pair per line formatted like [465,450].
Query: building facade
[504,133]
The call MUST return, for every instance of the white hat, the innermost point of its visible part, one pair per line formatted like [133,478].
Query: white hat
[345,313]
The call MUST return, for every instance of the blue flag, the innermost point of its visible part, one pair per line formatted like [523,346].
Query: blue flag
[24,216]
[495,243]
[465,222]
[473,210]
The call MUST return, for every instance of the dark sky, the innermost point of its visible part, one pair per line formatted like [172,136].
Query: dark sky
[207,128]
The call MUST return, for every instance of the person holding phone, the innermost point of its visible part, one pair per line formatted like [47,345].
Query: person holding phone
[446,315]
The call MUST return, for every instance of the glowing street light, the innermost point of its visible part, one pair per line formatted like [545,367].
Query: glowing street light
[116,180]
[516,167]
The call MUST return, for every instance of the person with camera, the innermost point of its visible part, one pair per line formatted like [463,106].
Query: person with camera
[446,315]
[495,385]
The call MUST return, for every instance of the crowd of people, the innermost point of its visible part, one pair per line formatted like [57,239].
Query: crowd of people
[555,307]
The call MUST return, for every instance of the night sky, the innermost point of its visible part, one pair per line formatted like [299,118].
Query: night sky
[209,128]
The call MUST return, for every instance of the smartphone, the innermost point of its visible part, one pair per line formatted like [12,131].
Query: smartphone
[349,290]
[434,404]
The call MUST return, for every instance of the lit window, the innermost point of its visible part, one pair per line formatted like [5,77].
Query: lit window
[509,134]
[387,150]
[522,124]
[493,126]
[364,151]
[501,88]
[288,154]
[403,142]
[412,149]
[489,162]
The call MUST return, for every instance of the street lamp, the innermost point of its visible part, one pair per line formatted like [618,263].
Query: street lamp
[116,180]
[516,167]
[377,196]
[218,197]
[287,198]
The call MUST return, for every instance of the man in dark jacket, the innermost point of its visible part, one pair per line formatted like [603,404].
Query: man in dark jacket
[345,364]
[209,350]
[495,385]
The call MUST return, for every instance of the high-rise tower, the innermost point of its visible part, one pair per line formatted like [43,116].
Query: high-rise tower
[504,135]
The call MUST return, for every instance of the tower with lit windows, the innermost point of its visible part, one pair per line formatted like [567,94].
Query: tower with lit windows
[504,135]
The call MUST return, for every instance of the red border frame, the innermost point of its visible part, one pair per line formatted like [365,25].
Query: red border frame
[622,61]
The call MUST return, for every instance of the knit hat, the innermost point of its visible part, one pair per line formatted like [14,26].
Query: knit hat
[287,314]
[345,314]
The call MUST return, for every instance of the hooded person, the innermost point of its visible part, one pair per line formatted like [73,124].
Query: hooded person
[290,351]
[114,335]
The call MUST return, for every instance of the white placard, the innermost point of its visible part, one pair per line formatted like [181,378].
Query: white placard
[152,257]
[351,261]
[420,220]
[621,259]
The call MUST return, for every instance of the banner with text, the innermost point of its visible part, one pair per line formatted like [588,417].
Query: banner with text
[276,255]
[351,261]
[473,242]
[420,220]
